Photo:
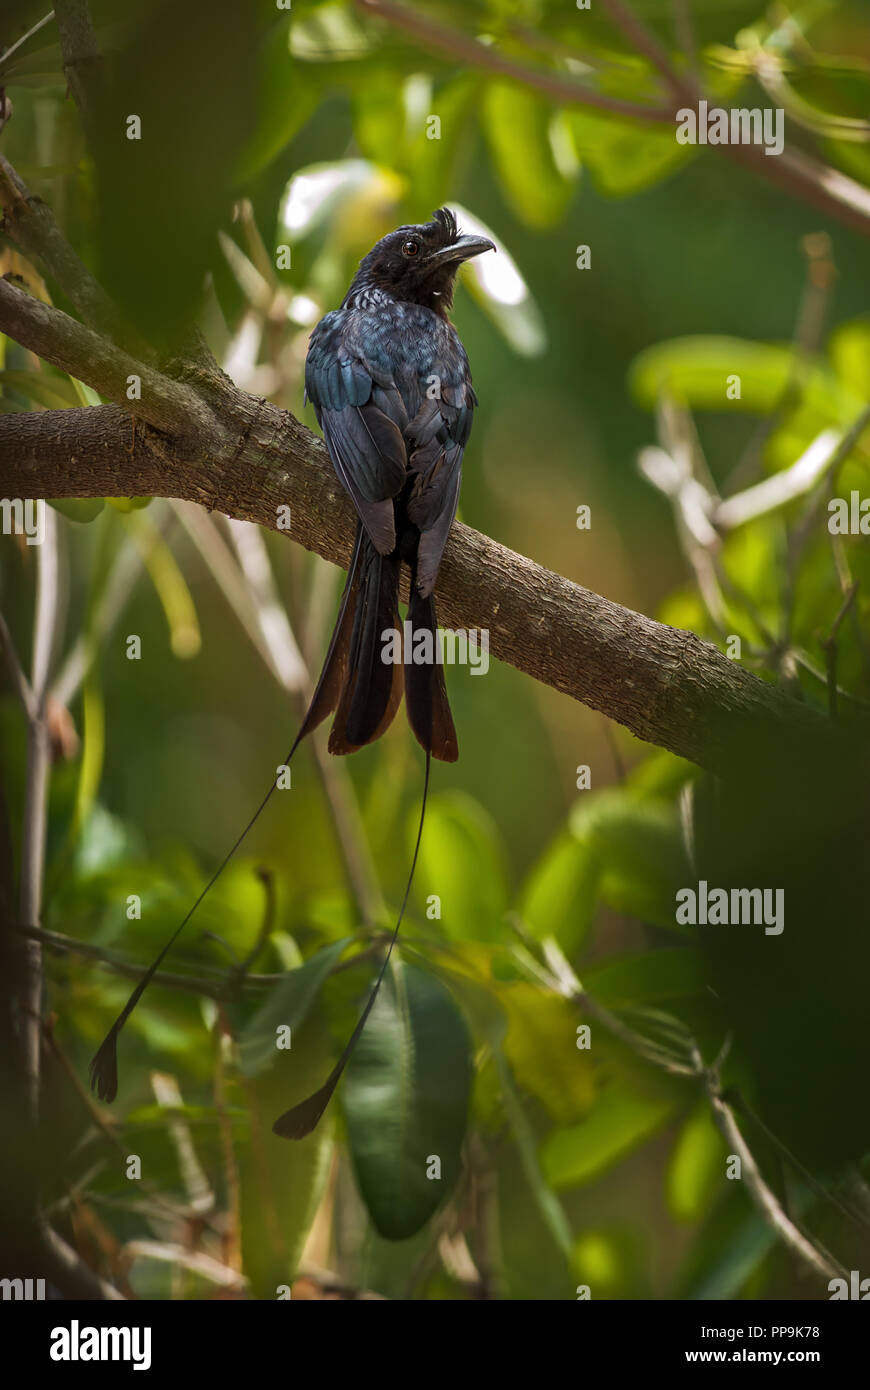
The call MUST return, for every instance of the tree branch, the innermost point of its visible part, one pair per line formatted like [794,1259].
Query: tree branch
[82,64]
[798,174]
[81,352]
[219,985]
[29,224]
[810,1252]
[460,47]
[668,687]
[63,1267]
[559,976]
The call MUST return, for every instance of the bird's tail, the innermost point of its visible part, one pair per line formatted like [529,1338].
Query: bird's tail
[425,688]
[358,681]
[360,684]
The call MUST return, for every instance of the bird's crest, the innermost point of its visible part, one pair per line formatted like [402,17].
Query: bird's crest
[448,221]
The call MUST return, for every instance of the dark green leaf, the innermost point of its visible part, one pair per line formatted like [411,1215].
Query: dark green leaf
[405,1097]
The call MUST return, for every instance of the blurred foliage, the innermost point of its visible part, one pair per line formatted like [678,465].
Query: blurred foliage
[276,147]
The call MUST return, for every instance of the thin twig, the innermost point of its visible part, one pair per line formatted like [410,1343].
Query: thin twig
[36,798]
[109,1131]
[30,225]
[738,1103]
[798,173]
[807,1251]
[213,984]
[644,41]
[20,683]
[122,579]
[222,1034]
[806,343]
[684,30]
[19,43]
[829,646]
[808,522]
[64,1268]
[469,51]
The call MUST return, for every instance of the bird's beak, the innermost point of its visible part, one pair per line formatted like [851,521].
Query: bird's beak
[461,250]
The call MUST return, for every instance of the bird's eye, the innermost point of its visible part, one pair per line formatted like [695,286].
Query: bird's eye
[410,248]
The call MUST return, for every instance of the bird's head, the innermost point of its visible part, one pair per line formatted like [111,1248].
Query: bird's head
[418,264]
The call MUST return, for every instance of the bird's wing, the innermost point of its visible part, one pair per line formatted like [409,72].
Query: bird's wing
[362,417]
[437,436]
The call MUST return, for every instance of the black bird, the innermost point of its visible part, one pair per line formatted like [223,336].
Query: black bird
[389,380]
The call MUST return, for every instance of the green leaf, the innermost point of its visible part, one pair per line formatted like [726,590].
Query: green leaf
[53,392]
[287,1005]
[638,847]
[661,775]
[379,116]
[624,157]
[81,509]
[604,1260]
[405,1099]
[170,584]
[696,369]
[432,161]
[125,505]
[332,33]
[287,94]
[697,1166]
[104,843]
[849,349]
[518,128]
[619,1122]
[561,894]
[541,1046]
[462,862]
[648,978]
[730,1252]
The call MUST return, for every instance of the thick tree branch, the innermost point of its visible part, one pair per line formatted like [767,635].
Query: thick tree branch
[667,686]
